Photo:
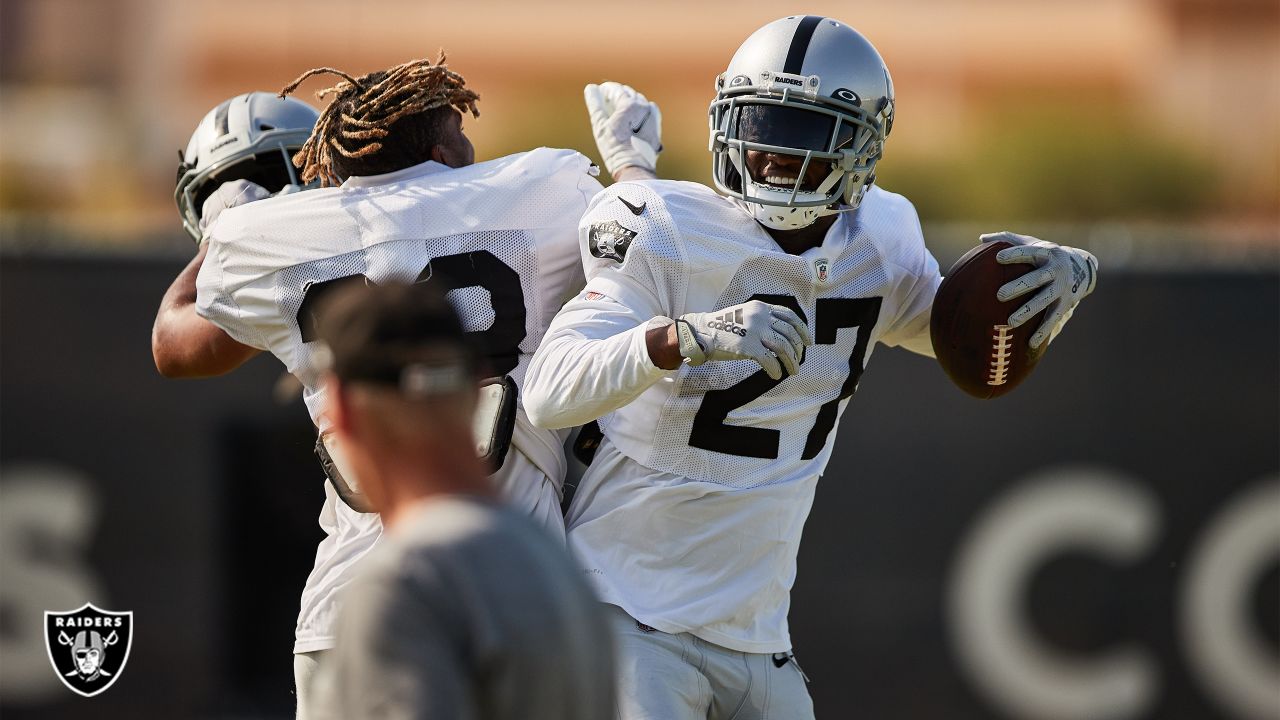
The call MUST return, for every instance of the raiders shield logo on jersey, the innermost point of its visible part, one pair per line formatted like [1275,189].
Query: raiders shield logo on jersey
[88,647]
[610,240]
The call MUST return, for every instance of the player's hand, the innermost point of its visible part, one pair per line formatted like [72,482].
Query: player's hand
[627,127]
[772,335]
[1064,275]
[229,195]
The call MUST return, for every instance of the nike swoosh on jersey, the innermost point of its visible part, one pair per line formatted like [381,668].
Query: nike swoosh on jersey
[635,209]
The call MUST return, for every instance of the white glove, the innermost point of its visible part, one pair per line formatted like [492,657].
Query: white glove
[627,127]
[772,335]
[228,195]
[1066,275]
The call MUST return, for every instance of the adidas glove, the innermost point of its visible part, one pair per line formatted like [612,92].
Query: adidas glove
[772,335]
[627,127]
[1064,275]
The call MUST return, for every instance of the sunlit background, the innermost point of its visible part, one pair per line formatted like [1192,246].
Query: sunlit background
[1161,116]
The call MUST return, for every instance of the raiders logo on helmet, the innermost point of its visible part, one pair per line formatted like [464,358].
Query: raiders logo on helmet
[88,647]
[610,240]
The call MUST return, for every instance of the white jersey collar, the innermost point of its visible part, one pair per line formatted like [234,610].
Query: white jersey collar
[837,237]
[430,167]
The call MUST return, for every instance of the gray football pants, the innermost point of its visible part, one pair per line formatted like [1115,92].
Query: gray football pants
[683,677]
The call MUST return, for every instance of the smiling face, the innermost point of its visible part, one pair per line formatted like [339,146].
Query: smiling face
[800,129]
[781,170]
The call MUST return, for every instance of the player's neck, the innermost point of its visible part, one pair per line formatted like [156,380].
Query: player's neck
[796,242]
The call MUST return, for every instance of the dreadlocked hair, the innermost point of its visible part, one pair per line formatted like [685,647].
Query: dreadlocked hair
[380,122]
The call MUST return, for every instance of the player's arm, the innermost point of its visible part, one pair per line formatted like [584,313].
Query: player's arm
[625,331]
[185,345]
[598,355]
[913,297]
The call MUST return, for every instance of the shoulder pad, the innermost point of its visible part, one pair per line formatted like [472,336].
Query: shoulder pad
[890,220]
[541,161]
[629,215]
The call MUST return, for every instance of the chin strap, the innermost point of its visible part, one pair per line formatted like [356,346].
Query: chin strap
[785,218]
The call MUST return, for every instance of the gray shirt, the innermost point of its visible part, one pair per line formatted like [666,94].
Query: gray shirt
[470,611]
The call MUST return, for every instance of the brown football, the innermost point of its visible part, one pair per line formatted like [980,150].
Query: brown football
[971,335]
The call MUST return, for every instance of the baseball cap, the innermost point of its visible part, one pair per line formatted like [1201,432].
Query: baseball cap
[404,336]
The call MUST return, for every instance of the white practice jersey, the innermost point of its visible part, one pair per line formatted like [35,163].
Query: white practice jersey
[501,235]
[690,517]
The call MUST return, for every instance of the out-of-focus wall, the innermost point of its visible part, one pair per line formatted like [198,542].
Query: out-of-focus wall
[1100,543]
[1074,111]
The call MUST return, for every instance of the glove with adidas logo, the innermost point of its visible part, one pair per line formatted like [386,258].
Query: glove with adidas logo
[1063,275]
[772,335]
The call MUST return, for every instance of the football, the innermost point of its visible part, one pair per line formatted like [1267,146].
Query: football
[971,336]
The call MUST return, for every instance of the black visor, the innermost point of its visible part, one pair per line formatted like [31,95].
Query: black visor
[790,127]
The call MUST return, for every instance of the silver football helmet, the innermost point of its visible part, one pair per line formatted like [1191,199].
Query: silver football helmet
[815,92]
[249,137]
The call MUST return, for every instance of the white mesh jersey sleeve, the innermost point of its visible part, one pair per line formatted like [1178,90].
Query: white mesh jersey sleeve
[902,242]
[594,358]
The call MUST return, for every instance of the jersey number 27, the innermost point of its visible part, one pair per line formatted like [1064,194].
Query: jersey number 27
[711,432]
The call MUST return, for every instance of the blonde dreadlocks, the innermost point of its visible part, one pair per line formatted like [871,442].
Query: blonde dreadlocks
[354,135]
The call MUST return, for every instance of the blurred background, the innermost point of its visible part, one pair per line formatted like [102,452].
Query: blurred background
[1150,113]
[1122,563]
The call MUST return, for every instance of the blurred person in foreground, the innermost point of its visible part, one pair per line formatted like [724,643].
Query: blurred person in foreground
[401,200]
[719,339]
[466,609]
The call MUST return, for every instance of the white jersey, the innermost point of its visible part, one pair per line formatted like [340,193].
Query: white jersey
[690,516]
[501,234]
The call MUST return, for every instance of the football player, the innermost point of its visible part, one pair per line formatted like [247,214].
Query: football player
[402,200]
[719,339]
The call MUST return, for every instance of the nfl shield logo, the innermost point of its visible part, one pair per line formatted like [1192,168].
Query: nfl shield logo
[820,266]
[88,647]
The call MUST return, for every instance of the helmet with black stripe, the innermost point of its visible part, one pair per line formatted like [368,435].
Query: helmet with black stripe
[799,120]
[249,137]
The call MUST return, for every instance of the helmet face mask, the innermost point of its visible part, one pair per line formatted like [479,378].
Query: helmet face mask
[829,124]
[249,137]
